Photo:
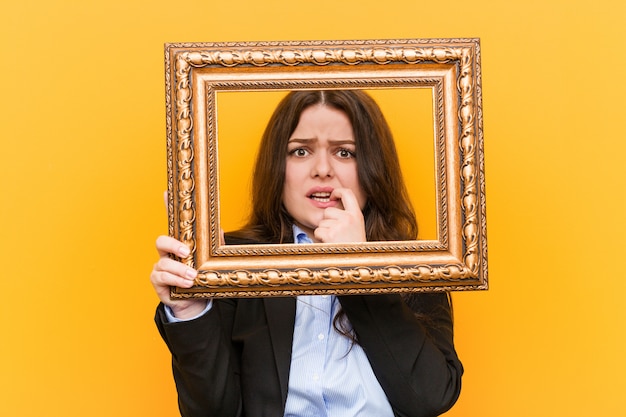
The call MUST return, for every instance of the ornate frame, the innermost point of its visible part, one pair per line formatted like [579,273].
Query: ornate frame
[457,260]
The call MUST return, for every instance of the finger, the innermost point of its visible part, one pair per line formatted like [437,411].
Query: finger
[168,272]
[348,199]
[333,213]
[321,234]
[165,199]
[167,244]
[329,223]
[171,266]
[222,240]
[164,280]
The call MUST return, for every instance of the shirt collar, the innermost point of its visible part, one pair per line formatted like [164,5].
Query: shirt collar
[300,236]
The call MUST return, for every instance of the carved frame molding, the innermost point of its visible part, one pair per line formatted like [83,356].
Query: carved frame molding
[457,260]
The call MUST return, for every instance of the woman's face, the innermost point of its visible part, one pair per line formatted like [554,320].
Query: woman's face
[321,157]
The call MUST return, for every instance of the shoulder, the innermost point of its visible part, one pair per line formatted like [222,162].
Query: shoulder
[428,303]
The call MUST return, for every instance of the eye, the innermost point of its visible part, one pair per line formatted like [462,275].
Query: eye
[299,152]
[345,153]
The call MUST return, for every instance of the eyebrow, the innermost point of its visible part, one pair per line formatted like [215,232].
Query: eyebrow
[332,141]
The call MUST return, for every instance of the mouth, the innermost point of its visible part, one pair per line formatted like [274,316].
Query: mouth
[320,196]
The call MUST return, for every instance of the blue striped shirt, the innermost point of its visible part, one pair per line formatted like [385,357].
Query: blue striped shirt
[330,376]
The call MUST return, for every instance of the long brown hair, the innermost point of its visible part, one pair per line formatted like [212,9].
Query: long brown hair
[388,212]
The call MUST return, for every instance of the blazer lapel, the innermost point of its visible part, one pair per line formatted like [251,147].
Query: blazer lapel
[281,316]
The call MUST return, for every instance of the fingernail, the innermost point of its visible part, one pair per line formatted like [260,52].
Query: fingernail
[191,274]
[183,251]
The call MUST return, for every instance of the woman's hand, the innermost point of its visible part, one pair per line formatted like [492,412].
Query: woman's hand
[168,273]
[344,223]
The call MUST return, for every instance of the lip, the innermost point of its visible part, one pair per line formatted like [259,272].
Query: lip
[320,197]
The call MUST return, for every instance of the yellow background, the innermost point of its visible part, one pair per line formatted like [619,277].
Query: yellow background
[409,113]
[82,170]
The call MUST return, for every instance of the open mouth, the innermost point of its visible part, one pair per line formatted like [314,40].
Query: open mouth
[322,197]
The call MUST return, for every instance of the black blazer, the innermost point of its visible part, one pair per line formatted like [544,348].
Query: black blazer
[234,361]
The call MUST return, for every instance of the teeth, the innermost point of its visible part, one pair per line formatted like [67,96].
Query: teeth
[322,197]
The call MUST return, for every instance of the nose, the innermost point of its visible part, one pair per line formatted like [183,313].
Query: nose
[322,166]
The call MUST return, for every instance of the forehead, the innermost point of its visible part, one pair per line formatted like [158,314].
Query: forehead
[321,121]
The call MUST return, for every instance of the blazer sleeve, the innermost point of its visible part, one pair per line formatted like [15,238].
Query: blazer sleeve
[409,343]
[205,366]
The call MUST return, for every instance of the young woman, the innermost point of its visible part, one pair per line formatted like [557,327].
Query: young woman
[327,171]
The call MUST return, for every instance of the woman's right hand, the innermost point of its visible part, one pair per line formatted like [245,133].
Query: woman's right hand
[168,272]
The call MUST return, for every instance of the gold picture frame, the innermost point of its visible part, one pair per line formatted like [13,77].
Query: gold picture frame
[455,260]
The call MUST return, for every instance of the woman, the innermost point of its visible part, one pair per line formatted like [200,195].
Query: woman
[327,171]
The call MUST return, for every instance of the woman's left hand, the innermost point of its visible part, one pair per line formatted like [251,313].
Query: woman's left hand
[344,223]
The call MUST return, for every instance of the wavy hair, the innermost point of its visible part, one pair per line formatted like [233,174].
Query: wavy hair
[388,212]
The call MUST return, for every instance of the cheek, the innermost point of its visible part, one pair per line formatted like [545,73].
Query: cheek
[288,180]
[290,185]
[351,180]
[361,198]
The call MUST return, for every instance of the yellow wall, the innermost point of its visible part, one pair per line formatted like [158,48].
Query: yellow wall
[412,127]
[82,170]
